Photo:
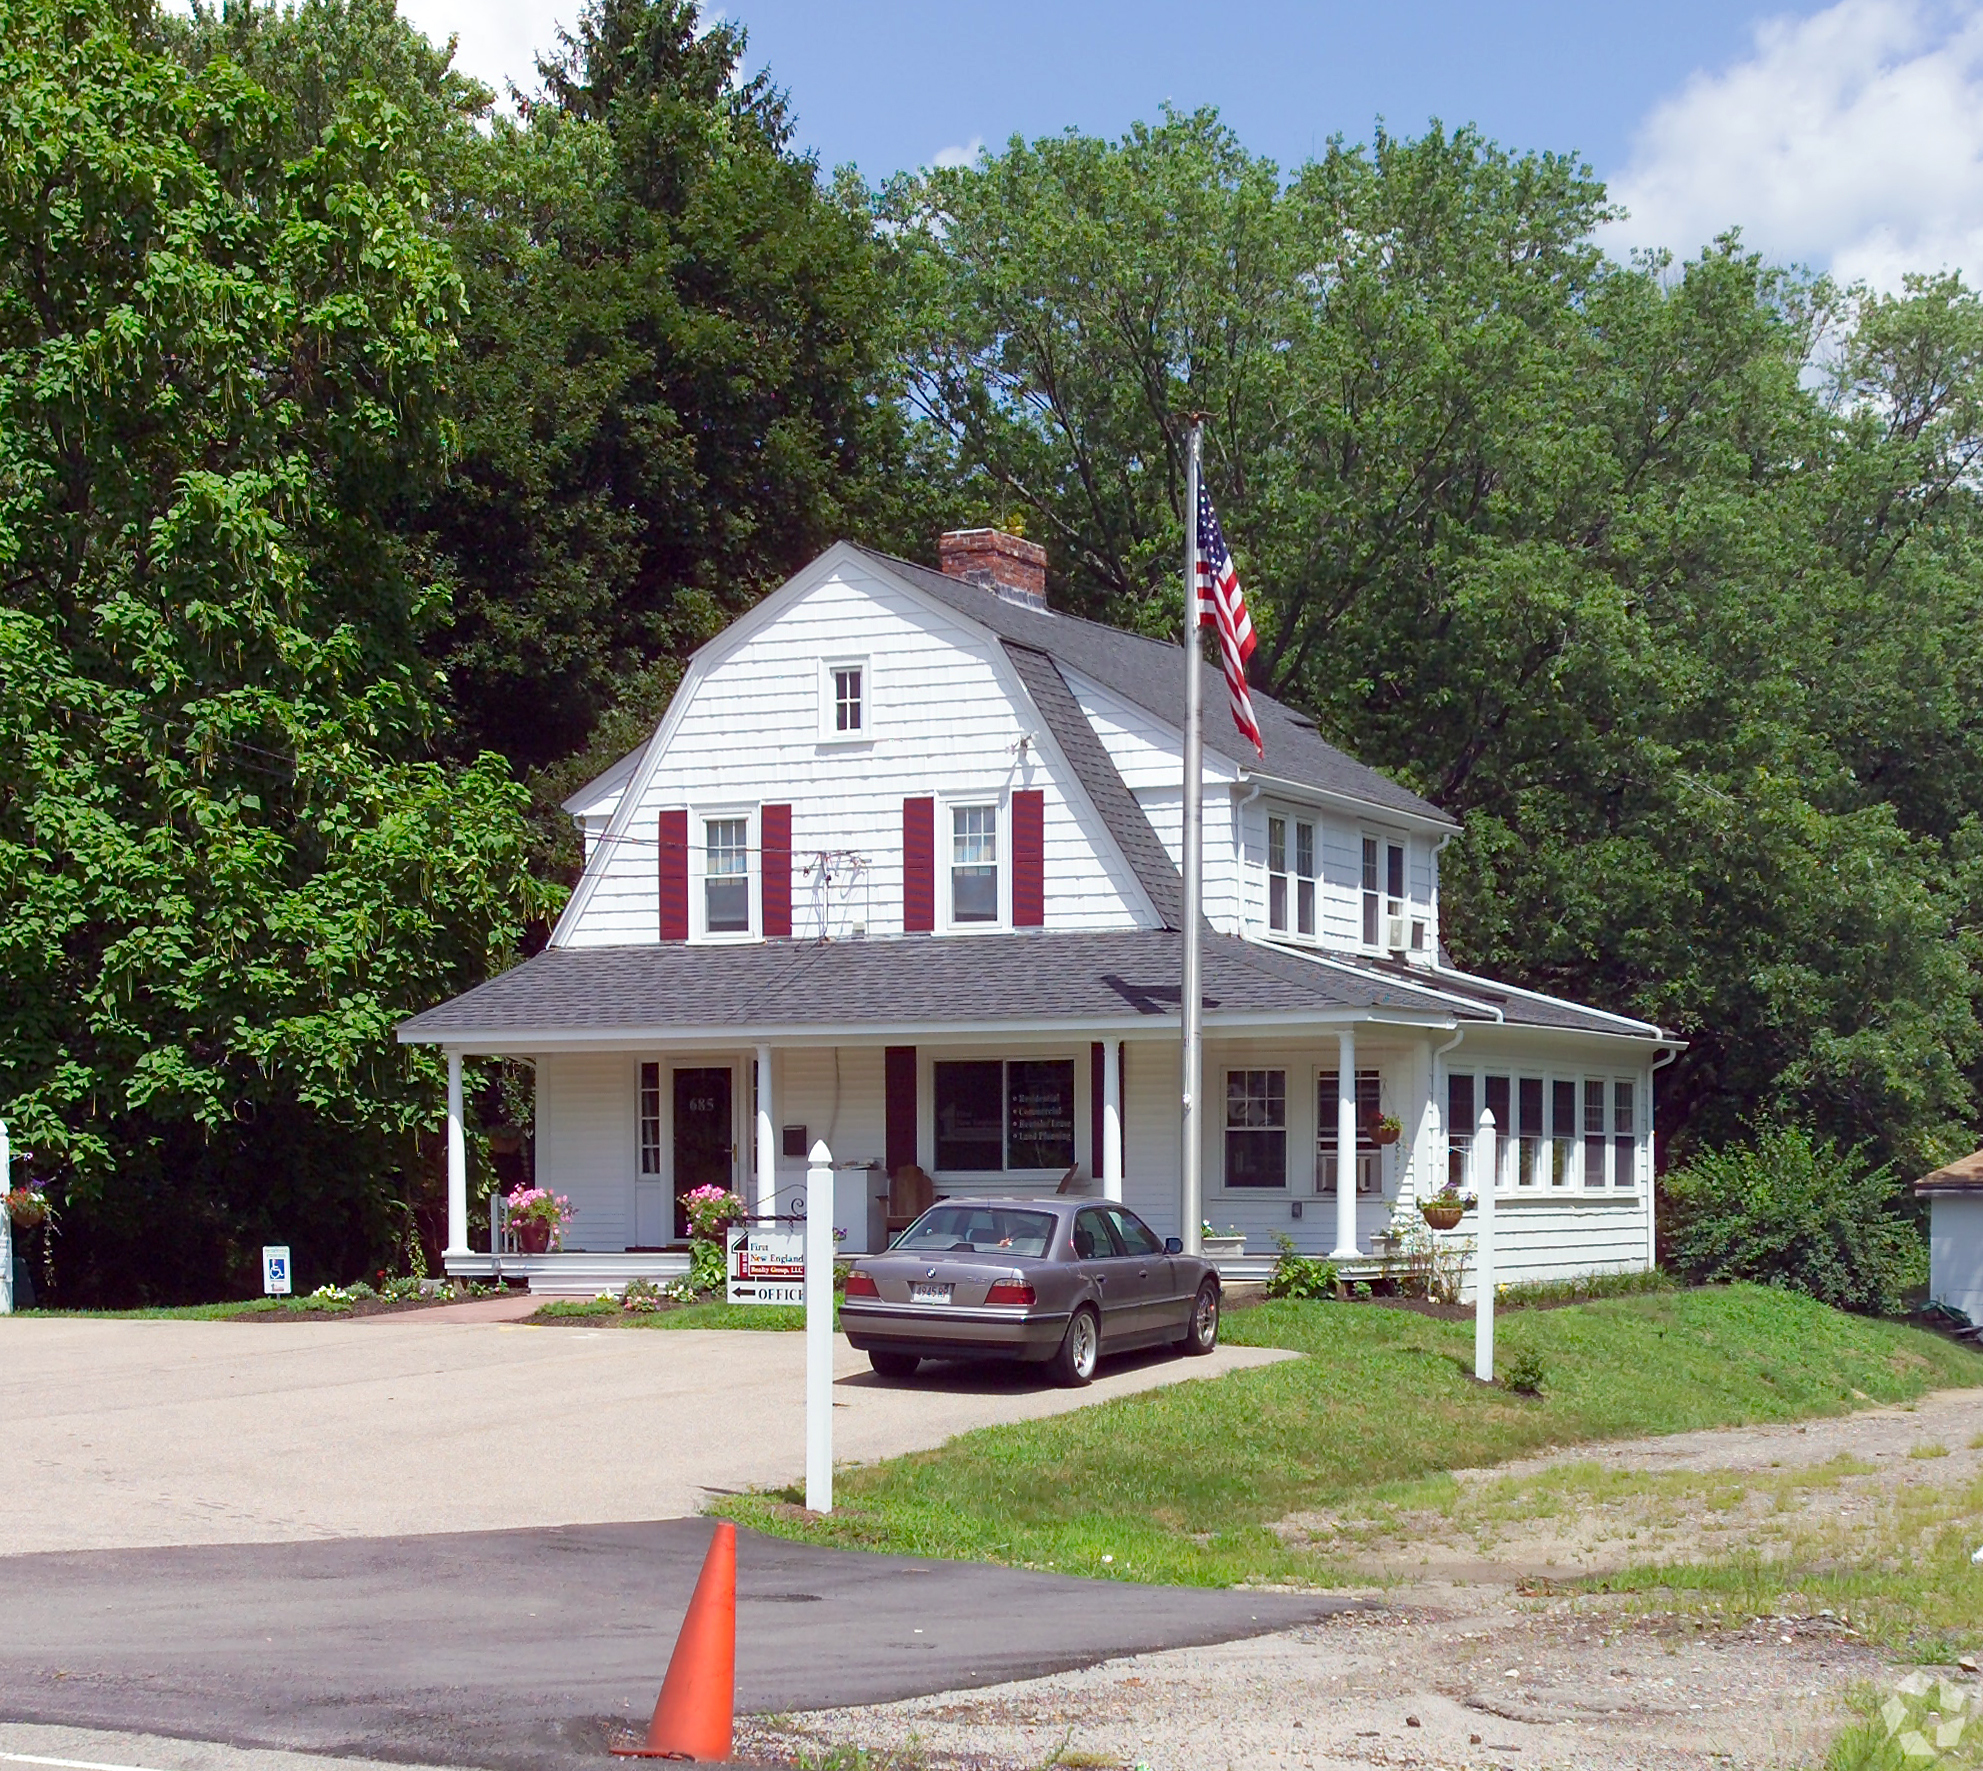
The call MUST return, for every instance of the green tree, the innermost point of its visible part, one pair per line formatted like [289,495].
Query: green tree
[1661,577]
[676,384]
[227,864]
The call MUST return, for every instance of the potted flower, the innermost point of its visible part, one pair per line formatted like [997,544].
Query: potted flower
[1228,1242]
[538,1216]
[1386,1128]
[1443,1211]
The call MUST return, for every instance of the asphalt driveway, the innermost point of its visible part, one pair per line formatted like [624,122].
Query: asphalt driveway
[529,1649]
[130,1434]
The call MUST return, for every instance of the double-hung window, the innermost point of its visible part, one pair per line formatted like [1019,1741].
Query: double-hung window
[1499,1104]
[1290,875]
[1459,1127]
[1593,1132]
[974,864]
[1373,900]
[1532,1151]
[1369,1174]
[1624,1137]
[726,882]
[1256,1128]
[1395,935]
[1563,1130]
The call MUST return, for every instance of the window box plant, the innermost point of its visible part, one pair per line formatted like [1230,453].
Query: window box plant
[1226,1244]
[538,1217]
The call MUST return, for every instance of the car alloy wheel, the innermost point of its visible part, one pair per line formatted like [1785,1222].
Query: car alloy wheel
[1074,1364]
[1203,1333]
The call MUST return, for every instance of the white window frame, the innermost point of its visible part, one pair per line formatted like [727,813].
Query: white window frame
[829,700]
[1300,892]
[947,811]
[1287,1129]
[701,817]
[1370,890]
[1558,1168]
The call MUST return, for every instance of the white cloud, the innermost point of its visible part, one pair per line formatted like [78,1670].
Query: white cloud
[499,39]
[1851,140]
[967,155]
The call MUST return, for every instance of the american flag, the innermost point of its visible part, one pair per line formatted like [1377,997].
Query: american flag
[1221,605]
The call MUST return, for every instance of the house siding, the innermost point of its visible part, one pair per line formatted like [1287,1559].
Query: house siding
[585,1143]
[947,719]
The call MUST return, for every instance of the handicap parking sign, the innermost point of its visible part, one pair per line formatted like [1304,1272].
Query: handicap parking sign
[275,1271]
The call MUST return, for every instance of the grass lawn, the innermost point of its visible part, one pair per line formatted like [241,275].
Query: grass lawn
[1181,1484]
[605,1312]
[299,1306]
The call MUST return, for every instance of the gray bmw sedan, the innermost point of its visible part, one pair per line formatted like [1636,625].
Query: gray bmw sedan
[1056,1281]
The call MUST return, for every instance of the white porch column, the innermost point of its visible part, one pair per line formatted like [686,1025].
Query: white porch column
[457,1163]
[767,1150]
[1345,1248]
[1112,1120]
[6,1228]
[1484,1158]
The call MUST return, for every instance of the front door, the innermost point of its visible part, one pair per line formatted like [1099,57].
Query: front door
[703,1140]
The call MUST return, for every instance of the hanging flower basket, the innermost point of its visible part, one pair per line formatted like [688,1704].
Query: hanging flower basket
[1386,1130]
[28,1208]
[1442,1214]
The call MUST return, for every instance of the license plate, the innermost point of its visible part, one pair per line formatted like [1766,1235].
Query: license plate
[929,1294]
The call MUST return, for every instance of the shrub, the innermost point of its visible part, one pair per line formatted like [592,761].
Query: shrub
[1525,1373]
[642,1297]
[1794,1212]
[709,1267]
[1297,1275]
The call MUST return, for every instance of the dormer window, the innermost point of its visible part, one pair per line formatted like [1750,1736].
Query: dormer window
[726,883]
[974,863]
[1287,882]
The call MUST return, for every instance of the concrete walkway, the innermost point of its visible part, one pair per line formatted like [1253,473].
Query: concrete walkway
[139,1434]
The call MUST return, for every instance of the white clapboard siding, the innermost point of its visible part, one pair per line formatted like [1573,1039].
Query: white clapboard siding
[839,1097]
[585,1142]
[946,717]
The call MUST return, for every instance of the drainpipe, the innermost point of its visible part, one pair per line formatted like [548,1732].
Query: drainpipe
[1239,846]
[1438,1070]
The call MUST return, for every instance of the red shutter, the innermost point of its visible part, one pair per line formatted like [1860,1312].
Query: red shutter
[775,889]
[1029,858]
[674,876]
[899,1119]
[1097,1085]
[918,866]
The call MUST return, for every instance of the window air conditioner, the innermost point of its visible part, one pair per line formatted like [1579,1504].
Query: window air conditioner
[1397,934]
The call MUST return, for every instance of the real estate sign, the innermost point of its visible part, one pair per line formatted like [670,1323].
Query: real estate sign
[767,1266]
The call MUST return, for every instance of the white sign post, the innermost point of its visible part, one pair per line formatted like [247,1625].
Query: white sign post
[1483,1303]
[819,1330]
[277,1281]
[6,1226]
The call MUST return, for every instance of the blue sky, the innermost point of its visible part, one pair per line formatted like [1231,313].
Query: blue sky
[1846,136]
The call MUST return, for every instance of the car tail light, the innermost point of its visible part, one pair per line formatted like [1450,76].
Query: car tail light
[1009,1291]
[859,1285]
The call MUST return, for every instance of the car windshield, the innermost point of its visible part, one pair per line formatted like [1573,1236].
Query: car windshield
[979,1229]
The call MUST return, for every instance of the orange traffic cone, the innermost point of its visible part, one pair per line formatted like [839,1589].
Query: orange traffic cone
[692,1718]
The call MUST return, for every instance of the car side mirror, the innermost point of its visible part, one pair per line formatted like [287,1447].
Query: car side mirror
[1173,1245]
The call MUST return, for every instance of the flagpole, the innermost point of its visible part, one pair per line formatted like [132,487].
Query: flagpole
[1191,1149]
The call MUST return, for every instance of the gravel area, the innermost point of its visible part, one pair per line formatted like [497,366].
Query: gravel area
[1478,1661]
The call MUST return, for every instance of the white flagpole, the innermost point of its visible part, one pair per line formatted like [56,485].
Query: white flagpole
[1192,1136]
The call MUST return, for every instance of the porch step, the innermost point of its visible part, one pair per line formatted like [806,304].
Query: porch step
[572,1273]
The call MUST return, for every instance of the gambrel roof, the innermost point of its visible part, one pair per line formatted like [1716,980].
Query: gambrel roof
[1147,673]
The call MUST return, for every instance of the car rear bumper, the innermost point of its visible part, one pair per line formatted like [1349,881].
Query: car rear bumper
[936,1331]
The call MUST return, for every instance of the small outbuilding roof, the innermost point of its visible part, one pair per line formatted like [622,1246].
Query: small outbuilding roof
[1964,1175]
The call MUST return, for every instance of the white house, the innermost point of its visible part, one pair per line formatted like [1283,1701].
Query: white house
[1955,1234]
[899,870]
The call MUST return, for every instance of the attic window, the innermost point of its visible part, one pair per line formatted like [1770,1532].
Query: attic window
[847,699]
[844,702]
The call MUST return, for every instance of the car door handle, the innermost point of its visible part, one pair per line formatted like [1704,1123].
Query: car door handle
[1142,1272]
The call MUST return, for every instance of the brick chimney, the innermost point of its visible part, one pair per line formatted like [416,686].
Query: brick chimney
[1008,566]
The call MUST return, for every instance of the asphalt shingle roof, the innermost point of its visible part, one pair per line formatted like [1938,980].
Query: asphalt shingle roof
[1120,809]
[1029,976]
[1146,673]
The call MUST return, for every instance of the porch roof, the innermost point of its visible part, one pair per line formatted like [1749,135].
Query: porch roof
[1120,977]
[1126,975]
